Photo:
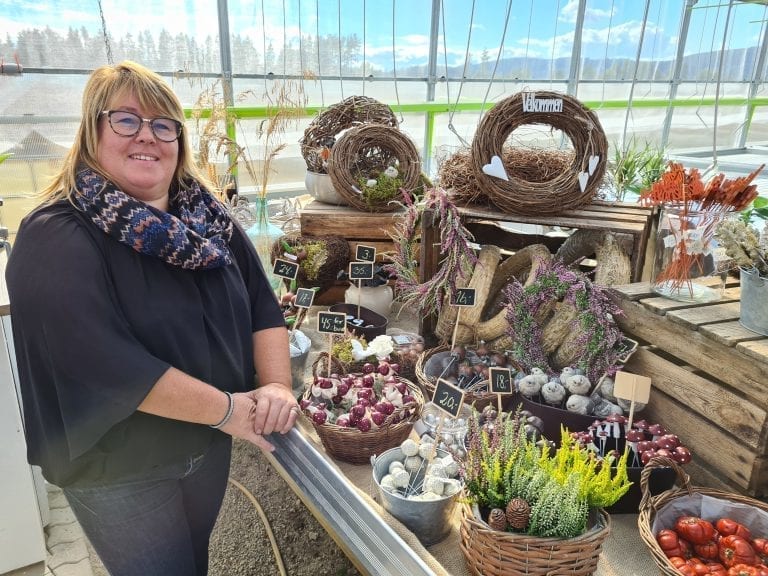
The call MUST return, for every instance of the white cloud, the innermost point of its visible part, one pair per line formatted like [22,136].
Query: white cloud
[568,13]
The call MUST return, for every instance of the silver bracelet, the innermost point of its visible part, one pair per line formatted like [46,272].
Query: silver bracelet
[228,415]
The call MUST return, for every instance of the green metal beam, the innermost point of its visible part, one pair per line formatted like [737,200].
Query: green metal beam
[445,108]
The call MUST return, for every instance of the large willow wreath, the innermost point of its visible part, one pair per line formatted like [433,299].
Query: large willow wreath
[365,153]
[575,186]
[321,134]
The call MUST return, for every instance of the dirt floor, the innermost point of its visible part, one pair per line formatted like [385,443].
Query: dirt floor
[240,544]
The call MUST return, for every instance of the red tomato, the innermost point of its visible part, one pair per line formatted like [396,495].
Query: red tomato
[708,550]
[762,570]
[742,570]
[671,545]
[726,527]
[736,550]
[678,561]
[694,529]
[717,569]
[761,546]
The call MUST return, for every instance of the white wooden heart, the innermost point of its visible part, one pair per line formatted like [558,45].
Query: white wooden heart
[593,161]
[496,169]
[583,178]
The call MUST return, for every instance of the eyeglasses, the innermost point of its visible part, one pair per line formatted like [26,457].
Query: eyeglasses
[128,124]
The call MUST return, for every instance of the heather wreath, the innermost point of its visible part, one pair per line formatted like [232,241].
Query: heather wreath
[597,346]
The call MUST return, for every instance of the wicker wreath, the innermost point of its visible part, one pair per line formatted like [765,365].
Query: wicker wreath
[532,165]
[367,151]
[321,271]
[320,136]
[574,187]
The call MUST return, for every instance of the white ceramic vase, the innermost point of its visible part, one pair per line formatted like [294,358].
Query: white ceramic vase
[321,188]
[376,298]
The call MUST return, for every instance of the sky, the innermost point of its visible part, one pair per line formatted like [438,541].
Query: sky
[480,28]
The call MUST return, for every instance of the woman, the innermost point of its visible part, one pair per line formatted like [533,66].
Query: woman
[140,316]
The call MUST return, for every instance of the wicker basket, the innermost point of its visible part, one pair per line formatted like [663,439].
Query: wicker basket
[477,399]
[320,365]
[356,447]
[653,506]
[491,552]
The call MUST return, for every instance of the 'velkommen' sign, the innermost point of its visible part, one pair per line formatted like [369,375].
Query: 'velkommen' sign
[533,104]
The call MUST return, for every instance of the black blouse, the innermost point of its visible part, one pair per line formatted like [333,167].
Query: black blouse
[96,324]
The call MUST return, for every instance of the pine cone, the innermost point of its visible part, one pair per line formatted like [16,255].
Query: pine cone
[497,519]
[518,513]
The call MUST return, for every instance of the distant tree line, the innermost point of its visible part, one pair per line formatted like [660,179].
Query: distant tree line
[331,56]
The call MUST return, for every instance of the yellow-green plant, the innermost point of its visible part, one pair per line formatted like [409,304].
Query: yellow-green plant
[560,486]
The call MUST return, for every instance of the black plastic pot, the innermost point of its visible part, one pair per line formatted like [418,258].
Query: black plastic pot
[374,324]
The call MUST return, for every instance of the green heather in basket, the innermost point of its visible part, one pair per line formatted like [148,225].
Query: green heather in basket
[560,486]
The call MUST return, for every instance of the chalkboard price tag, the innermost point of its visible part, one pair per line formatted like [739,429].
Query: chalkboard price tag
[360,270]
[331,322]
[285,269]
[464,297]
[501,380]
[365,253]
[448,397]
[304,298]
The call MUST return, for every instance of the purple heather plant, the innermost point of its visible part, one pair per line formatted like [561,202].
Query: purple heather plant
[458,257]
[599,336]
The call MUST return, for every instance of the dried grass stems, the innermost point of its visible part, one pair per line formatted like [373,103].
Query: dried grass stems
[530,164]
[212,120]
[458,257]
[286,104]
[322,132]
[367,151]
[520,195]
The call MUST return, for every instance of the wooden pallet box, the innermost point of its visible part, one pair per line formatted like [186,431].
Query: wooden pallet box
[709,377]
[368,228]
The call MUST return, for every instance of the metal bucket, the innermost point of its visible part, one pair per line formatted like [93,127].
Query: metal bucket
[430,520]
[753,312]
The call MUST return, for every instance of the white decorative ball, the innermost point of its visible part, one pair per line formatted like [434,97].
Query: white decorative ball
[387,482]
[409,447]
[433,484]
[395,465]
[401,478]
[412,463]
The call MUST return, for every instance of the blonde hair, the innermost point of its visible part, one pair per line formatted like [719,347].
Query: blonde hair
[105,85]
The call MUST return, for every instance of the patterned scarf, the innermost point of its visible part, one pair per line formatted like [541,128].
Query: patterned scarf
[195,240]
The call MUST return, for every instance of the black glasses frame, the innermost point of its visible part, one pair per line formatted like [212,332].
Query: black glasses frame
[148,121]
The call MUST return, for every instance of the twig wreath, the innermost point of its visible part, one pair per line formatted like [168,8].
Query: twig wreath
[372,165]
[322,132]
[578,182]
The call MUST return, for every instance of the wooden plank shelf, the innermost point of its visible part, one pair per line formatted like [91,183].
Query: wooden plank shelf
[709,377]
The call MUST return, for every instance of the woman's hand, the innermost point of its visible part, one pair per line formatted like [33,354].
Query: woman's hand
[241,424]
[276,409]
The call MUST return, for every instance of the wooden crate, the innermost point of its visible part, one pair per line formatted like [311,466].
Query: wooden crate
[369,228]
[633,225]
[709,378]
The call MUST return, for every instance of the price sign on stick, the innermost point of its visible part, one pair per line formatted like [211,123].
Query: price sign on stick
[360,270]
[501,382]
[285,269]
[365,253]
[448,397]
[633,388]
[463,298]
[331,322]
[304,298]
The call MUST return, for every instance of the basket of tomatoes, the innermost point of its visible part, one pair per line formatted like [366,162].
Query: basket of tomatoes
[698,531]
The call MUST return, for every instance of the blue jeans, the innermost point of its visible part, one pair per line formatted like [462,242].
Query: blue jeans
[159,524]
